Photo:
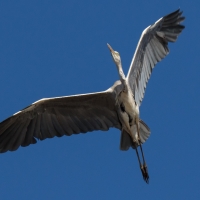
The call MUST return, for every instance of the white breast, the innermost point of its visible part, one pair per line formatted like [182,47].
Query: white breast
[129,103]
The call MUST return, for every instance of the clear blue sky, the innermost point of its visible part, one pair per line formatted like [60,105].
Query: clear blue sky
[57,48]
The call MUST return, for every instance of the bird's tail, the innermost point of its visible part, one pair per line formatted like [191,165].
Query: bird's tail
[126,140]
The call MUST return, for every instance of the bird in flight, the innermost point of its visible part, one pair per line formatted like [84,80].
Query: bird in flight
[116,107]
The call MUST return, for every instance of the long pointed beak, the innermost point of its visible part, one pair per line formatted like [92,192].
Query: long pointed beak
[111,50]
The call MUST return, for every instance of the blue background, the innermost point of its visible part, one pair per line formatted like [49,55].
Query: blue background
[58,48]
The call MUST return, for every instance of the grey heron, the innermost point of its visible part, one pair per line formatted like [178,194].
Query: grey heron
[116,107]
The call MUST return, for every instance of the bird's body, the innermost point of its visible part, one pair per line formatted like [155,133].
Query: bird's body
[129,113]
[116,107]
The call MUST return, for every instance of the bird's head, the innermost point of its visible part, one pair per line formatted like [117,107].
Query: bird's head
[115,55]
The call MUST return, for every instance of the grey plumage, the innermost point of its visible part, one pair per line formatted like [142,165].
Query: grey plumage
[57,117]
[152,48]
[116,107]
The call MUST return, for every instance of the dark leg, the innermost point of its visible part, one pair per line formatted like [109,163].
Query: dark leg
[138,157]
[143,167]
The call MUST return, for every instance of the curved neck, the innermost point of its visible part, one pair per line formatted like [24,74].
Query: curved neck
[122,76]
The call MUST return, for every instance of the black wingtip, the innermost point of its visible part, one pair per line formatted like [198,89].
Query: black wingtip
[173,13]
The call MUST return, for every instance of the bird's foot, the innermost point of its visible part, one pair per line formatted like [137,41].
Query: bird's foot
[144,171]
[136,143]
[139,141]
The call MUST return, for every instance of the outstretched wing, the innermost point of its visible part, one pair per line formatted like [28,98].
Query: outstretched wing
[152,48]
[60,116]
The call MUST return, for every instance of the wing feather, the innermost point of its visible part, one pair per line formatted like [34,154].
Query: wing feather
[8,137]
[29,139]
[19,136]
[57,126]
[67,127]
[152,48]
[148,69]
[52,117]
[37,133]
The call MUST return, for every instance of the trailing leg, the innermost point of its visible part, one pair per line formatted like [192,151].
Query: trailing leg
[143,166]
